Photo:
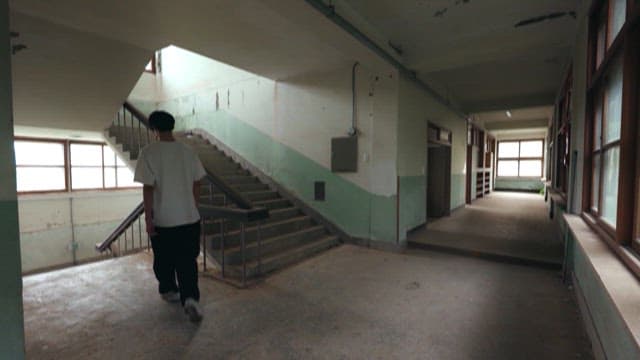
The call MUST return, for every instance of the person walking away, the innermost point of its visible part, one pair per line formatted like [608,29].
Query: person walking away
[170,173]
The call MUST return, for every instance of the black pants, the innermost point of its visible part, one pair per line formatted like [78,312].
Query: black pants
[175,250]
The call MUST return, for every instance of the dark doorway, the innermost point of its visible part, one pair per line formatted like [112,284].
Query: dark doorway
[438,173]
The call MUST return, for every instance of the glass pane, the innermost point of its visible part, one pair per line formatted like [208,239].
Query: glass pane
[595,184]
[508,168]
[125,178]
[39,153]
[600,46]
[531,168]
[109,157]
[508,149]
[109,177]
[86,178]
[531,148]
[618,16]
[613,103]
[610,185]
[40,179]
[597,124]
[86,155]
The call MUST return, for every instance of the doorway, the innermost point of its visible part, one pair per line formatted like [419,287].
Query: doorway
[438,172]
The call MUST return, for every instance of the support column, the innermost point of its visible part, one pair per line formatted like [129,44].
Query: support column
[11,316]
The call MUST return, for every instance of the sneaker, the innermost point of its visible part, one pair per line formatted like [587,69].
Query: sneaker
[171,296]
[192,308]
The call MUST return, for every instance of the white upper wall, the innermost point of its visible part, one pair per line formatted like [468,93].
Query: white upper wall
[70,79]
[303,113]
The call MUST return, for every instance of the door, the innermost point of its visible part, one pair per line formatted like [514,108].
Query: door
[438,181]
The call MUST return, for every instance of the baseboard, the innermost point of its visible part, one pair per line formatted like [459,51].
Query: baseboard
[587,319]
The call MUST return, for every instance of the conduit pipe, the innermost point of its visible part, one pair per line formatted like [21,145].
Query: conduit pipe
[329,12]
[354,130]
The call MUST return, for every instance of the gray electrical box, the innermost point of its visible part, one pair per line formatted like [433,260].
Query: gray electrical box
[344,154]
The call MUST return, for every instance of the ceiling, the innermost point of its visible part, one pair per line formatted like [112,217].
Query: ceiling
[474,49]
[470,50]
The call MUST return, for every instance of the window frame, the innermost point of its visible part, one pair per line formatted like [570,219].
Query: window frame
[67,167]
[520,158]
[560,134]
[624,238]
[154,68]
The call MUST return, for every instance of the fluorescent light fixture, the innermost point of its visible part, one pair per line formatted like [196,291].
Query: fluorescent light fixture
[508,114]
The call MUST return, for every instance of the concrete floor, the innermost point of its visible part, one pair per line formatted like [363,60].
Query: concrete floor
[348,303]
[504,225]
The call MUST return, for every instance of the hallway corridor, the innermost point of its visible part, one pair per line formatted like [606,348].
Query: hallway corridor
[507,226]
[348,303]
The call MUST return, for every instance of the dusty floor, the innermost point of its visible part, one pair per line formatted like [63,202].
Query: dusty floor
[348,303]
[503,225]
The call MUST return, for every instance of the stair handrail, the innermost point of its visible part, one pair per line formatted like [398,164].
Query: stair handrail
[121,229]
[239,199]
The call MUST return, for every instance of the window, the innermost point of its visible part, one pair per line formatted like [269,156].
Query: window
[151,65]
[42,166]
[561,133]
[520,158]
[610,198]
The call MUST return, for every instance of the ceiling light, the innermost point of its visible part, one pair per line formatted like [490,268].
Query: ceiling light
[508,114]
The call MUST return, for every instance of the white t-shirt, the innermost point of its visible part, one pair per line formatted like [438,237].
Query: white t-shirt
[171,168]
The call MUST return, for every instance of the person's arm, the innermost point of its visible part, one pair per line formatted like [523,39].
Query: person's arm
[147,196]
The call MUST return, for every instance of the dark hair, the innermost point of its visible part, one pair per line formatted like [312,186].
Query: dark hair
[161,121]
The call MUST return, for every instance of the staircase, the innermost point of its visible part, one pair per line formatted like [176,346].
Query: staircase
[287,236]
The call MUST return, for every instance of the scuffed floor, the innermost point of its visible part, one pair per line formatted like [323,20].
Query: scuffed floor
[348,303]
[504,225]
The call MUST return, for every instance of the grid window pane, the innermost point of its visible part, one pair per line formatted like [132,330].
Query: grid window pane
[618,16]
[109,177]
[125,178]
[109,156]
[531,148]
[613,104]
[610,185]
[86,178]
[531,168]
[597,125]
[86,155]
[508,168]
[508,149]
[40,178]
[595,184]
[39,153]
[601,44]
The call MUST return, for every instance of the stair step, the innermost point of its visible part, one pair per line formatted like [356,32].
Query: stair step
[272,246]
[232,236]
[250,187]
[239,179]
[275,216]
[279,261]
[273,204]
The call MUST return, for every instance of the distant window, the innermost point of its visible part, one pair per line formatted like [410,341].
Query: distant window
[151,65]
[521,158]
[40,166]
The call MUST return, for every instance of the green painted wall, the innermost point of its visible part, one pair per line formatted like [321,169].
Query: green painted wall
[356,211]
[11,316]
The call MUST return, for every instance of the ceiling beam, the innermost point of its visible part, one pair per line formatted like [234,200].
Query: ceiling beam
[514,102]
[516,124]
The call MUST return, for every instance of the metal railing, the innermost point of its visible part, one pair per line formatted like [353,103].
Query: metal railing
[129,237]
[227,209]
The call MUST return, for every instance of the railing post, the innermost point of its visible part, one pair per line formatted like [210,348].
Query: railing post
[259,237]
[204,244]
[132,136]
[244,262]
[222,244]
